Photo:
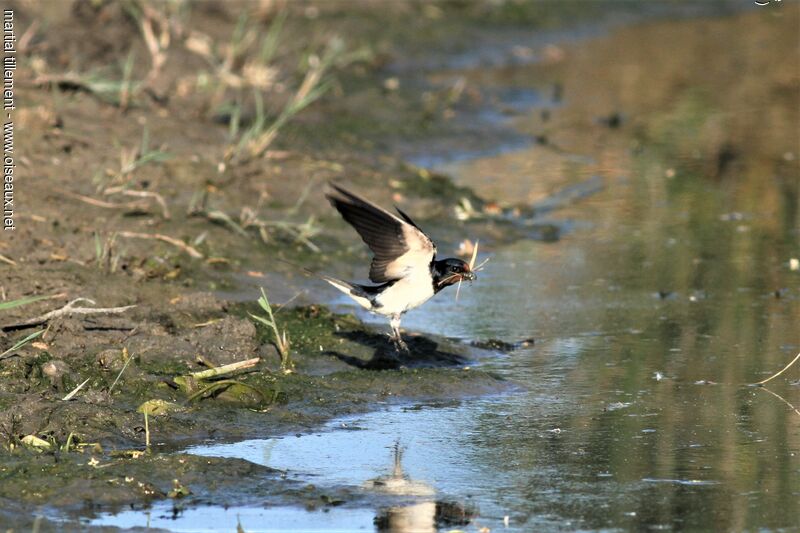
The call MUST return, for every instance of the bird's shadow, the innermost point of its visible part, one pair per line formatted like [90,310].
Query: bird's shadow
[422,352]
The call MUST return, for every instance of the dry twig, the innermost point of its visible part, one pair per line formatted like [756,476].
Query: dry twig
[100,203]
[142,194]
[25,41]
[71,309]
[225,369]
[165,238]
[157,45]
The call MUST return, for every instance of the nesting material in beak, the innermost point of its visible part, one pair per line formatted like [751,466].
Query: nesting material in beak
[474,255]
[469,276]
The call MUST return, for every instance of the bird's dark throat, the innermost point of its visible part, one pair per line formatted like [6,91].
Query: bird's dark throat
[442,276]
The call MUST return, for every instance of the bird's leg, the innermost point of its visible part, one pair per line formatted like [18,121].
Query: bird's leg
[396,337]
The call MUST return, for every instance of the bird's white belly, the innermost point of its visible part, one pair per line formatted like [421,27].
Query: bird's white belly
[405,294]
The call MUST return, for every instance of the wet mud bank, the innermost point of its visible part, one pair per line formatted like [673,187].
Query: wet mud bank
[142,210]
[90,453]
[141,198]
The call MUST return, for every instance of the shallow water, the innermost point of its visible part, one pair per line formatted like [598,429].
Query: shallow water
[672,291]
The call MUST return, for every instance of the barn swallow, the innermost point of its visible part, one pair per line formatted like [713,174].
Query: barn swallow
[404,265]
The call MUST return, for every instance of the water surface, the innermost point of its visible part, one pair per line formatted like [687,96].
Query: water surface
[672,292]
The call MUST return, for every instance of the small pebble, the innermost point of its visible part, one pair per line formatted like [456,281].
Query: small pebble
[391,84]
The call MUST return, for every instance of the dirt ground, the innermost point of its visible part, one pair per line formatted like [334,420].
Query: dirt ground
[134,194]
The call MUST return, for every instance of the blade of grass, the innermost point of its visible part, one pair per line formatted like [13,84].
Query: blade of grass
[784,369]
[126,86]
[222,384]
[269,45]
[781,398]
[72,394]
[20,344]
[481,265]
[26,301]
[471,267]
[474,255]
[69,442]
[281,339]
[127,361]
[98,249]
[146,432]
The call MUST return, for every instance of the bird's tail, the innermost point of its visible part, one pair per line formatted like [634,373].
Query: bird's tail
[355,292]
[344,286]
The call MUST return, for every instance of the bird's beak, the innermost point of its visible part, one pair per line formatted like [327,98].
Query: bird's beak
[469,276]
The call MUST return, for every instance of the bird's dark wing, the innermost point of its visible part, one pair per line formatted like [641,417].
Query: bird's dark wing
[407,218]
[400,247]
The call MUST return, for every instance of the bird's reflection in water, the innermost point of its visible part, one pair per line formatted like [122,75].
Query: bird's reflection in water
[424,515]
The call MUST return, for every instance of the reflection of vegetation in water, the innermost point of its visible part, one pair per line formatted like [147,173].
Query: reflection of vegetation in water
[720,246]
[685,274]
[681,132]
[723,245]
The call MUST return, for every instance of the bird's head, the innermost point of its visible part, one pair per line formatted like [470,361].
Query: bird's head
[451,271]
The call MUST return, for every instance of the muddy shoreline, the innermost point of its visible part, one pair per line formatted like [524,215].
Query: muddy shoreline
[238,225]
[67,459]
